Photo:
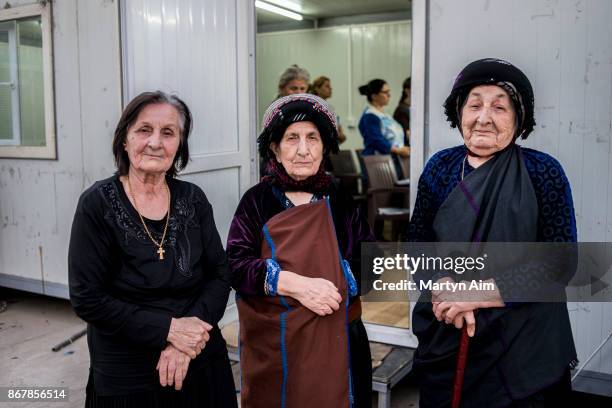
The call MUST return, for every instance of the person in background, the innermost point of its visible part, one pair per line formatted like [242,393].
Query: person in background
[402,112]
[294,80]
[323,89]
[381,133]
[148,273]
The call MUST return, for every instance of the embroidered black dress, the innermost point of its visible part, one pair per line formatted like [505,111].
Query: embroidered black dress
[128,296]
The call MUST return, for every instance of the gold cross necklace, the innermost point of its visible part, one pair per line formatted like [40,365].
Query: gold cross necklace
[160,245]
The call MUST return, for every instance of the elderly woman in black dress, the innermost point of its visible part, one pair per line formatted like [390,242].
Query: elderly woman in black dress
[490,189]
[148,272]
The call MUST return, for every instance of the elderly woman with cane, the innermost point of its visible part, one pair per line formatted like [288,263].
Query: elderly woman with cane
[489,189]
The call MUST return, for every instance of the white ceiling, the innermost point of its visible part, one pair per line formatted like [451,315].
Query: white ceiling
[315,9]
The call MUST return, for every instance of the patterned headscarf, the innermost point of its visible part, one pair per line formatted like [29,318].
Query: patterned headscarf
[298,108]
[493,71]
[278,117]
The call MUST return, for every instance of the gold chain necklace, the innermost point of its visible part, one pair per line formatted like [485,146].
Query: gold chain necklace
[160,249]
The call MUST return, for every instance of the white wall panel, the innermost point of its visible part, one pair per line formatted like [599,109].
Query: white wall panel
[188,48]
[222,188]
[564,48]
[25,223]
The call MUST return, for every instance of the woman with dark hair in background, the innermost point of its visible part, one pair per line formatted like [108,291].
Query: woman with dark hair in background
[148,272]
[381,133]
[402,112]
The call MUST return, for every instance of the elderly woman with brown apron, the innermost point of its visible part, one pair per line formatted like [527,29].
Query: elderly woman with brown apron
[489,189]
[294,248]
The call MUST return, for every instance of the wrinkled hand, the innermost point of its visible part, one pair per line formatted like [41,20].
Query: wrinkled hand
[438,296]
[451,307]
[448,311]
[447,304]
[318,295]
[454,307]
[189,335]
[469,319]
[172,367]
[457,313]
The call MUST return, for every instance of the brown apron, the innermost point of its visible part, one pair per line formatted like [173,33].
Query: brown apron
[290,357]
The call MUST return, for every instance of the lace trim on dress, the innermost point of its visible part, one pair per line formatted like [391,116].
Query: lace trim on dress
[181,220]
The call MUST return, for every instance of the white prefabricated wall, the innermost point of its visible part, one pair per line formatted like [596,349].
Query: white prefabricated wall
[349,55]
[38,197]
[565,48]
[104,55]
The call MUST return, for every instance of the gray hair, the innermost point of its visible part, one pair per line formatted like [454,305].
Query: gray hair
[162,97]
[291,73]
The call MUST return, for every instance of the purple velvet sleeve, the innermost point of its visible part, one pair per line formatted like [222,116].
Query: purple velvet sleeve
[244,248]
[245,239]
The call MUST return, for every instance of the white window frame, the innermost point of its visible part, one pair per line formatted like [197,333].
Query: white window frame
[10,27]
[11,148]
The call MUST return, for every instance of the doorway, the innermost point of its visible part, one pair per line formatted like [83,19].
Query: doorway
[350,42]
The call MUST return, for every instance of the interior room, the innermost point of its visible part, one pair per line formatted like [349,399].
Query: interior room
[351,42]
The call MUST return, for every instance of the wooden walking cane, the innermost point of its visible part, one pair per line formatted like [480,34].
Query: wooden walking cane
[460,370]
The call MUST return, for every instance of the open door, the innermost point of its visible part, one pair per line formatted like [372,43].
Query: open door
[350,42]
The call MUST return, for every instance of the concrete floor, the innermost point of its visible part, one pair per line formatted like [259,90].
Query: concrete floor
[33,324]
[29,328]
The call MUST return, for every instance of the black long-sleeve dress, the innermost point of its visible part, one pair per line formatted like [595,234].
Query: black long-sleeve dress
[128,296]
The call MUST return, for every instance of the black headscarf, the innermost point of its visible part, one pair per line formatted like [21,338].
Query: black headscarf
[493,71]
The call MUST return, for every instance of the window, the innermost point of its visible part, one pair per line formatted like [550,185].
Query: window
[27,128]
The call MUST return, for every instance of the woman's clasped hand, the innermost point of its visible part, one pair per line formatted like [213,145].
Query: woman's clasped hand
[317,294]
[189,335]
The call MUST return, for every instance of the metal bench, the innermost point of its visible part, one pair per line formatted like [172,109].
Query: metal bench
[396,365]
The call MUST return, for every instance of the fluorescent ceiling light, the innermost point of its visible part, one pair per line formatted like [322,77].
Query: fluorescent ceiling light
[277,10]
[289,5]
